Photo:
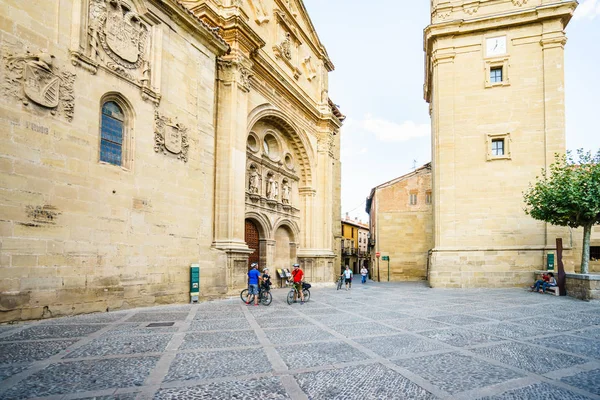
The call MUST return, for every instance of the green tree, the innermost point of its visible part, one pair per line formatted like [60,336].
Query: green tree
[568,195]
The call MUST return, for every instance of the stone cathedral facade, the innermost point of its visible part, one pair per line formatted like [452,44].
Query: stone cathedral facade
[142,136]
[495,85]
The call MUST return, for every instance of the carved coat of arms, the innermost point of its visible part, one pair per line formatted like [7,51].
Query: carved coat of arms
[170,137]
[120,30]
[41,82]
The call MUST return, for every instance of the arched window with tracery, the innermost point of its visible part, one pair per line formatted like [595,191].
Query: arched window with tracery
[112,133]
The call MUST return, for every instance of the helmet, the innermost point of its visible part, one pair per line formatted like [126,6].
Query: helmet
[254,265]
[265,269]
[296,265]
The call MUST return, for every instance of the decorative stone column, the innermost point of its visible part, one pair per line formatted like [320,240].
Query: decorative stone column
[233,86]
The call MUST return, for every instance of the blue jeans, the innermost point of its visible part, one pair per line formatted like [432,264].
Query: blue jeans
[364,278]
[545,286]
[538,284]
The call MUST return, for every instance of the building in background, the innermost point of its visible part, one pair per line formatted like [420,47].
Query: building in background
[140,137]
[401,226]
[496,90]
[355,236]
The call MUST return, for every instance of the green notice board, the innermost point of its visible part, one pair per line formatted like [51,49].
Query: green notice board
[195,279]
[550,261]
[385,258]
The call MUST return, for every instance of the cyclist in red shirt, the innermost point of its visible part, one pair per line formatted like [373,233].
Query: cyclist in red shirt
[297,275]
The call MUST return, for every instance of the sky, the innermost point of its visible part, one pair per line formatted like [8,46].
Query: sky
[377,50]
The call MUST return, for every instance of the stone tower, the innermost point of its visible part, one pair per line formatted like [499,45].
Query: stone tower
[495,84]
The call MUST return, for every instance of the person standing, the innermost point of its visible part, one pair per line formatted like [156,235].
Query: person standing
[363,273]
[348,277]
[253,281]
[297,276]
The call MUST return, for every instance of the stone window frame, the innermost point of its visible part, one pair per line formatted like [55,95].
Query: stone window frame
[428,197]
[498,62]
[412,196]
[127,147]
[507,148]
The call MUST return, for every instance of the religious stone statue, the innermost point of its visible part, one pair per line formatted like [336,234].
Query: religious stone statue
[285,193]
[275,190]
[253,182]
[270,188]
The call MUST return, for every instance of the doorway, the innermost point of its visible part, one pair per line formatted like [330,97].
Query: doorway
[252,238]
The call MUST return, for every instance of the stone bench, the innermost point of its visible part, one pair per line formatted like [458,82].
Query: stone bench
[553,289]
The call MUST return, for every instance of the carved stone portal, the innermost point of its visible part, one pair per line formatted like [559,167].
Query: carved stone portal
[33,77]
[170,138]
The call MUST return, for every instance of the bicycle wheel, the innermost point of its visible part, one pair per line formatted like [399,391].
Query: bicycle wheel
[290,297]
[306,294]
[266,298]
[244,295]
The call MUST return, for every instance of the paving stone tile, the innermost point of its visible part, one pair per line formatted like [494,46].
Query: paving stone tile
[114,345]
[18,352]
[592,333]
[552,324]
[508,330]
[500,315]
[455,373]
[219,324]
[416,324]
[572,344]
[135,329]
[459,337]
[538,391]
[363,329]
[81,376]
[272,322]
[459,319]
[214,315]
[588,380]
[122,396]
[318,354]
[158,317]
[267,388]
[8,371]
[424,312]
[590,319]
[336,319]
[398,345]
[363,382]
[7,328]
[294,335]
[218,364]
[215,340]
[383,315]
[53,332]
[529,358]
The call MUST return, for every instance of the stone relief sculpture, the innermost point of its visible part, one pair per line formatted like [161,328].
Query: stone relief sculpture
[271,189]
[286,46]
[34,78]
[259,11]
[118,39]
[285,192]
[311,72]
[253,186]
[170,138]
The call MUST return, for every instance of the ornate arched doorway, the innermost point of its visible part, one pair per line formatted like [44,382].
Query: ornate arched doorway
[252,237]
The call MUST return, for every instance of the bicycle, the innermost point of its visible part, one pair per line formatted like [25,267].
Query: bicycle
[340,282]
[294,292]
[264,296]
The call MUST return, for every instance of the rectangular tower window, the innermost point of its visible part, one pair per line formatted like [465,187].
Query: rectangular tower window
[428,198]
[496,74]
[498,147]
[594,253]
[413,199]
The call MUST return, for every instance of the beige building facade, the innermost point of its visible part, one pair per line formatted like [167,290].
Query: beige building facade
[495,85]
[401,226]
[143,136]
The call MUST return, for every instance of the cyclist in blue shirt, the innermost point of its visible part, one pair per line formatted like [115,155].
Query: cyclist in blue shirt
[253,281]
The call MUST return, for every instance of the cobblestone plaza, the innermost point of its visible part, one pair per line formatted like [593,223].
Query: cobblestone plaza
[376,341]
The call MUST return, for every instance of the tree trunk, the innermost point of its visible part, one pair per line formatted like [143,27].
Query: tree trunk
[585,256]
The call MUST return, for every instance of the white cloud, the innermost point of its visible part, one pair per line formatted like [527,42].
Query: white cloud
[588,9]
[388,131]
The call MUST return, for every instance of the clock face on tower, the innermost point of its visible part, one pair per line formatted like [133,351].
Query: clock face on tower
[495,46]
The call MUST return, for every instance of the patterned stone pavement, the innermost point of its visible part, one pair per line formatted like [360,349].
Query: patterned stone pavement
[376,341]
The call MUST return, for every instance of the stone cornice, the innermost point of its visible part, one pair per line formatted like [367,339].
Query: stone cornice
[182,16]
[560,10]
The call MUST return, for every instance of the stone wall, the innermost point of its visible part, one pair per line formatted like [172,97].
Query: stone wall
[78,234]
